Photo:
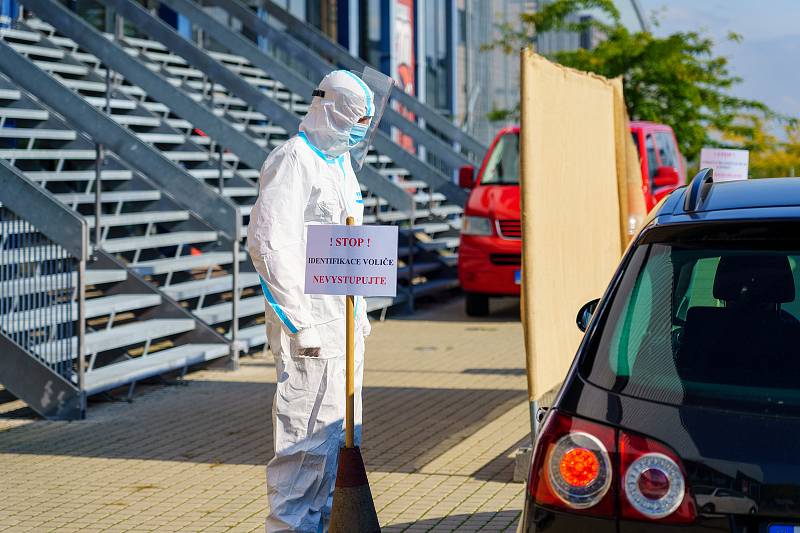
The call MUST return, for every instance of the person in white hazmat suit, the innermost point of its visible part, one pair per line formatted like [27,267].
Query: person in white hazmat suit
[309,180]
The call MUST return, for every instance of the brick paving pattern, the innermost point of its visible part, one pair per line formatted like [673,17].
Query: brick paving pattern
[444,409]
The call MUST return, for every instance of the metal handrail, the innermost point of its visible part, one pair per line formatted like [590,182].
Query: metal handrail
[158,30]
[319,42]
[42,233]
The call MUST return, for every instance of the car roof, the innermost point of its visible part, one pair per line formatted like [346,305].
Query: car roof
[771,198]
[645,124]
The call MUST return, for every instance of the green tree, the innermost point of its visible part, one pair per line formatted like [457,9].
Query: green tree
[677,80]
[777,158]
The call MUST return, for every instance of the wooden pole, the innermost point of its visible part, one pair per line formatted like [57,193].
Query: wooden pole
[350,365]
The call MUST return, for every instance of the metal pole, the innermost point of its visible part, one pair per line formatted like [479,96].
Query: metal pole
[98,175]
[97,195]
[411,240]
[235,307]
[82,330]
[350,365]
[221,179]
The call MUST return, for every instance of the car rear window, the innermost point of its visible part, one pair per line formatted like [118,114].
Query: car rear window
[705,323]
[503,165]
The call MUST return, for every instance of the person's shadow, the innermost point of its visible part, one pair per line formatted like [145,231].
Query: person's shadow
[505,521]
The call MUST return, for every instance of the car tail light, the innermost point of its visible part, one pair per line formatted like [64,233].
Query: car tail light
[653,481]
[582,467]
[572,465]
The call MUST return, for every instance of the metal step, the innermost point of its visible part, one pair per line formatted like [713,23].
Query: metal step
[79,175]
[185,262]
[83,57]
[83,85]
[139,368]
[162,240]
[24,114]
[156,107]
[252,336]
[121,336]
[162,138]
[267,129]
[116,103]
[381,302]
[39,24]
[393,217]
[181,156]
[210,173]
[59,153]
[214,314]
[38,133]
[109,197]
[439,244]
[22,35]
[143,43]
[136,120]
[134,219]
[62,68]
[420,269]
[10,94]
[195,288]
[63,42]
[226,57]
[166,58]
[37,51]
[238,192]
[432,227]
[179,124]
[424,197]
[54,282]
[447,210]
[95,307]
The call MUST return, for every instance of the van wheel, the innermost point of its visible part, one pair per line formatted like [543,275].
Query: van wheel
[477,304]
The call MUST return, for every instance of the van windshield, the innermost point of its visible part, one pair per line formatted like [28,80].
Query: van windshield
[705,323]
[503,165]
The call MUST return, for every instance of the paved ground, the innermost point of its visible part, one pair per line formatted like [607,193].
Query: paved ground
[444,409]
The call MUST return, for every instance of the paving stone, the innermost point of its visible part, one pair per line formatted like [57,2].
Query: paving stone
[444,409]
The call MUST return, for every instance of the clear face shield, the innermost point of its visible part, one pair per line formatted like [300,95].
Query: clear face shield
[381,86]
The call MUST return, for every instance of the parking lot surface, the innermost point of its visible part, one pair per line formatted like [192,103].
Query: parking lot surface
[444,409]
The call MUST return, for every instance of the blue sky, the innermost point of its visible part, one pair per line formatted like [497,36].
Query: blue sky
[767,58]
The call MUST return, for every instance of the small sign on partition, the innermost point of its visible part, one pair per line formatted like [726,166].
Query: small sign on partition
[351,260]
[727,164]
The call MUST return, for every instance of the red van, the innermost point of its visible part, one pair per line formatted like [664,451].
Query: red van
[489,257]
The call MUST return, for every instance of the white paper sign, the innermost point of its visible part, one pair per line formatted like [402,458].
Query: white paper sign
[355,260]
[728,165]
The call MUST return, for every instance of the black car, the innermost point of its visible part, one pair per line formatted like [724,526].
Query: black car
[681,411]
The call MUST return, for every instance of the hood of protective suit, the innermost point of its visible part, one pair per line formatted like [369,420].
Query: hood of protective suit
[338,104]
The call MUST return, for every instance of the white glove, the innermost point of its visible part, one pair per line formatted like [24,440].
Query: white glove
[306,342]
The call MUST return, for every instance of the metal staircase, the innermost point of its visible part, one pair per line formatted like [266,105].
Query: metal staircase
[269,114]
[176,134]
[73,325]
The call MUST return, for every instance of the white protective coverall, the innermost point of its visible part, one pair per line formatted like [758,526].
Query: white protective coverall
[308,180]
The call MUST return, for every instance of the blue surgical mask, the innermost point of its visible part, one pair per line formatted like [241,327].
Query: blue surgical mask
[357,134]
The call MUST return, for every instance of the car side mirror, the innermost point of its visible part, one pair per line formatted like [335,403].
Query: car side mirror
[466,177]
[585,314]
[666,177]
